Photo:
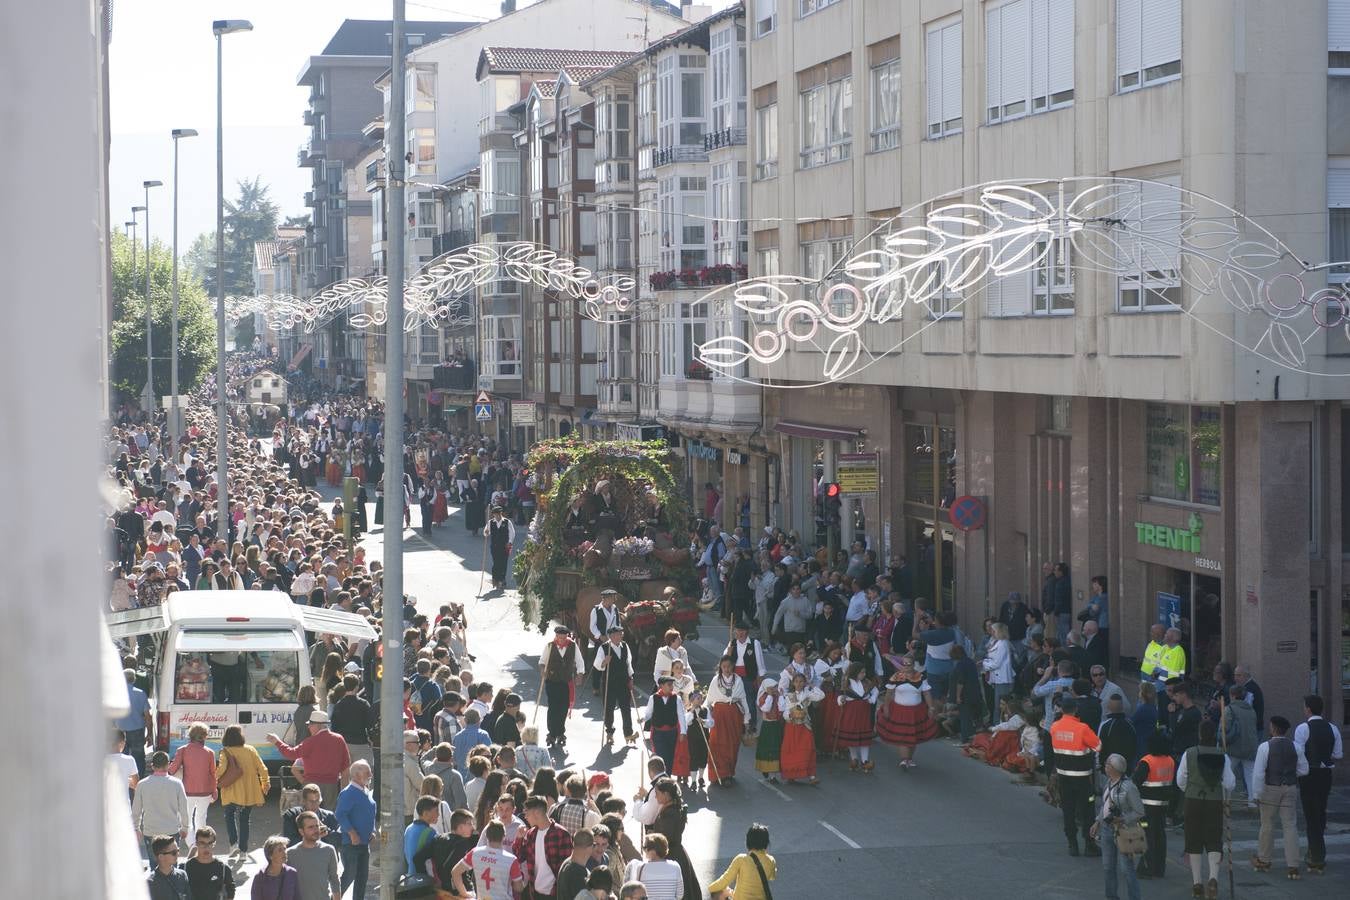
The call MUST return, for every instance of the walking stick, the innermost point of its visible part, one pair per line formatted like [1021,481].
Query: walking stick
[1227,809]
[604,713]
[482,570]
[708,744]
[540,699]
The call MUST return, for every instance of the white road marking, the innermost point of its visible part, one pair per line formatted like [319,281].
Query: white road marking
[762,783]
[839,834]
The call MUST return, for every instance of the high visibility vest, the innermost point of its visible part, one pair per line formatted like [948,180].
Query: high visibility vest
[1073,744]
[1152,659]
[1174,661]
[1156,788]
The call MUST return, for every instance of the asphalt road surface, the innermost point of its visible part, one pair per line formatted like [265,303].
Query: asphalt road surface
[951,828]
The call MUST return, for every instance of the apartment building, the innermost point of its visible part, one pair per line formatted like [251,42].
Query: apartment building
[670,185]
[1097,421]
[464,182]
[342,101]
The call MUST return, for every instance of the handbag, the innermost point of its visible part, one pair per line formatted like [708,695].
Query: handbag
[768,894]
[1130,839]
[233,771]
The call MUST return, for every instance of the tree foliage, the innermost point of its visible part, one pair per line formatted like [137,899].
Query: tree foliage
[249,218]
[196,321]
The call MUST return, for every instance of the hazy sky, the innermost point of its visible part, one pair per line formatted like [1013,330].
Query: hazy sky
[162,77]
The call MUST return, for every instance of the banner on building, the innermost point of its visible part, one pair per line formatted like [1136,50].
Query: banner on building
[858,474]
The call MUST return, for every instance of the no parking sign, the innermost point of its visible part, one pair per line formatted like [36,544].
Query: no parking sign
[968,513]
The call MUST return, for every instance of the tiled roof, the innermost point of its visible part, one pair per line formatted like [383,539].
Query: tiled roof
[370,37]
[547,89]
[579,74]
[542,59]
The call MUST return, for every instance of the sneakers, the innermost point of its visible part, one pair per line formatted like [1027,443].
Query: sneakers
[1293,875]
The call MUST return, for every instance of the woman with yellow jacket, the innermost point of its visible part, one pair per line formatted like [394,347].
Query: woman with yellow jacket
[243,785]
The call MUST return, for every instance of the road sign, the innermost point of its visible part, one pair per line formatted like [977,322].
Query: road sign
[483,397]
[857,473]
[967,513]
[482,412]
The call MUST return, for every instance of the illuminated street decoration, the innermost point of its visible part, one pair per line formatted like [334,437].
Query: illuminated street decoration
[939,255]
[441,293]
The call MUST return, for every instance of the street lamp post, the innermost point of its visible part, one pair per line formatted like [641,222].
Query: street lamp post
[220,28]
[148,395]
[175,432]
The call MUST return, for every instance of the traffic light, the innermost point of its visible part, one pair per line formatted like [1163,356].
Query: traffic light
[832,504]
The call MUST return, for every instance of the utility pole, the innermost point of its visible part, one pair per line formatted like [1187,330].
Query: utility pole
[392,863]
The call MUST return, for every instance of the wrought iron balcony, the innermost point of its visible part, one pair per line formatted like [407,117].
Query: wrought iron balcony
[724,137]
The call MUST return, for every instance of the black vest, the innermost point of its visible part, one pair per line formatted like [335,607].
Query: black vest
[751,659]
[663,711]
[616,662]
[1281,762]
[561,666]
[1321,743]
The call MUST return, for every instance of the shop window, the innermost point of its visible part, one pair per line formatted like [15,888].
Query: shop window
[1184,450]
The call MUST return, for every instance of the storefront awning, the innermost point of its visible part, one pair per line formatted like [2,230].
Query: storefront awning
[819,432]
[299,357]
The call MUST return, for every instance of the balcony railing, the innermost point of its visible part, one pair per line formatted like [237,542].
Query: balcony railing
[457,375]
[450,241]
[681,153]
[724,137]
[374,174]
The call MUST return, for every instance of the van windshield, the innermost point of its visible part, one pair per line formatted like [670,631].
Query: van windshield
[219,667]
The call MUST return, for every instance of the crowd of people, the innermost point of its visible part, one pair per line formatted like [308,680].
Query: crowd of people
[489,814]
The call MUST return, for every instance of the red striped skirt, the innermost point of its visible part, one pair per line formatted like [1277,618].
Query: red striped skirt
[906,726]
[855,724]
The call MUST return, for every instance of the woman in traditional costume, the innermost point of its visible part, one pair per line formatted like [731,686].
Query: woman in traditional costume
[857,696]
[904,719]
[797,759]
[770,742]
[731,715]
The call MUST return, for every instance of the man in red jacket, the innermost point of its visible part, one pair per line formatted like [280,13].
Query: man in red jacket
[325,754]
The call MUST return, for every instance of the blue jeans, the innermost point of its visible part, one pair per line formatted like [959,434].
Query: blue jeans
[1113,859]
[938,682]
[239,836]
[355,868]
[1000,691]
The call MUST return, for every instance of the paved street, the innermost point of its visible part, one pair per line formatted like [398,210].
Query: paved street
[954,827]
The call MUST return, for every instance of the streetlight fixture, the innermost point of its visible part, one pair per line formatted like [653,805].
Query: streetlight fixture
[220,28]
[134,223]
[148,395]
[175,431]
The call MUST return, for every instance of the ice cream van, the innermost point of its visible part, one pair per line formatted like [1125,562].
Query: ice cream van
[231,657]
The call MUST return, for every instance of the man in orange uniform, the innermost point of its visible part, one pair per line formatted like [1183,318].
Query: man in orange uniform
[1156,777]
[1075,746]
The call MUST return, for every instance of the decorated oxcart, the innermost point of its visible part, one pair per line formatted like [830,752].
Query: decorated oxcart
[610,514]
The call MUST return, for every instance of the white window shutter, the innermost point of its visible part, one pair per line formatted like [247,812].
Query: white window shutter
[993,296]
[1015,43]
[951,72]
[1161,31]
[1338,188]
[934,76]
[1160,219]
[1338,25]
[993,56]
[1129,30]
[1060,28]
[1040,36]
